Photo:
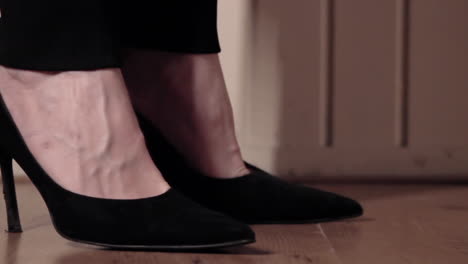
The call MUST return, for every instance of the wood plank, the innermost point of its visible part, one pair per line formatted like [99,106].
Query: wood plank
[404,224]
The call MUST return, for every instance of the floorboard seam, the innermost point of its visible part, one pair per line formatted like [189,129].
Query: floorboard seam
[329,243]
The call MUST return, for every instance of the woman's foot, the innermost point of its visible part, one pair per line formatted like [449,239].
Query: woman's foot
[201,142]
[255,198]
[81,128]
[185,96]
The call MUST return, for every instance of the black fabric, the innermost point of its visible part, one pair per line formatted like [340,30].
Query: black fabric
[59,35]
[167,221]
[256,198]
[171,25]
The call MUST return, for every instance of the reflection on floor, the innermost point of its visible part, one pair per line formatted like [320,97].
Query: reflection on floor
[402,224]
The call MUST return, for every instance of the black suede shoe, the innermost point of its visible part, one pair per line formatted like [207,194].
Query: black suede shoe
[169,221]
[256,198]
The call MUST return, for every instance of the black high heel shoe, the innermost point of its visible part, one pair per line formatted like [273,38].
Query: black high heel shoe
[256,198]
[165,222]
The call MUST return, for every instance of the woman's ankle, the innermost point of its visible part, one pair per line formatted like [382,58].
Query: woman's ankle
[192,89]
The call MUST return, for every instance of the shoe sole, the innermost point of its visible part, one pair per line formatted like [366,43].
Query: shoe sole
[206,246]
[169,248]
[165,247]
[315,221]
[160,247]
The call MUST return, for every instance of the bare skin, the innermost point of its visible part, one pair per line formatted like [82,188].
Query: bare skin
[185,97]
[81,128]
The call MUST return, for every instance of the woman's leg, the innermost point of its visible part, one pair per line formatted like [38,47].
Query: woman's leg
[60,79]
[183,91]
[183,94]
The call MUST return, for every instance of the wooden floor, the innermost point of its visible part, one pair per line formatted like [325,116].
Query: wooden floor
[419,224]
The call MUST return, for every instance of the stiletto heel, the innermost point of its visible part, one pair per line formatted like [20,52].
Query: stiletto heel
[169,221]
[9,193]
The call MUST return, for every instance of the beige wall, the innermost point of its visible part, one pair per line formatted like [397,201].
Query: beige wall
[367,89]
